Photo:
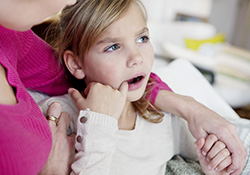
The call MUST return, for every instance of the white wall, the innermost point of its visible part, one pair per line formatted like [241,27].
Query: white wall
[230,17]
[241,36]
[223,16]
[160,10]
[199,8]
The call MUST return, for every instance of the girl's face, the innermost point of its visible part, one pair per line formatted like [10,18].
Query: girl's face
[23,14]
[123,53]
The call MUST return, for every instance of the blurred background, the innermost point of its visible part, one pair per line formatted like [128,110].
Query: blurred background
[214,35]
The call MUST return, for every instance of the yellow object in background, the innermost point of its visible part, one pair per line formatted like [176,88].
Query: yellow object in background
[194,44]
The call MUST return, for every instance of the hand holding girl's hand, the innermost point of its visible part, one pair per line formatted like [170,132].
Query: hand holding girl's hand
[62,153]
[206,122]
[213,155]
[202,122]
[102,99]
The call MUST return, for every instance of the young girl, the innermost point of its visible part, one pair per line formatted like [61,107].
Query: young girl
[105,48]
[201,120]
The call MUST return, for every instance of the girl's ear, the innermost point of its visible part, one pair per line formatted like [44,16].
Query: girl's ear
[72,64]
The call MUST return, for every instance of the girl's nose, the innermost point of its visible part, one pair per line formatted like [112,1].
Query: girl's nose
[135,58]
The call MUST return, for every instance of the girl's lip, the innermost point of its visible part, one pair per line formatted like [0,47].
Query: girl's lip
[136,81]
[142,74]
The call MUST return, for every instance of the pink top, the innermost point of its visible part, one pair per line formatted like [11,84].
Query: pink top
[25,137]
[157,85]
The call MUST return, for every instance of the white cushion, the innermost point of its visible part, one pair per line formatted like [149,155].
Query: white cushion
[185,79]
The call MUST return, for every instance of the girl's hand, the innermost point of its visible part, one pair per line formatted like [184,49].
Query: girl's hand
[102,99]
[213,155]
[63,151]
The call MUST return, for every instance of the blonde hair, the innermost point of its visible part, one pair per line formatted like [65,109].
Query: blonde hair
[83,23]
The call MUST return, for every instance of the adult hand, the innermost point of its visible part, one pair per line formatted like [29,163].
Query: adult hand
[102,99]
[208,122]
[202,121]
[62,153]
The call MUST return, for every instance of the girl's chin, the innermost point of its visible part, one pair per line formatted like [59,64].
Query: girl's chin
[133,96]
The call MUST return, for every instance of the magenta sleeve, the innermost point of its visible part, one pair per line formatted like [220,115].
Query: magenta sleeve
[154,87]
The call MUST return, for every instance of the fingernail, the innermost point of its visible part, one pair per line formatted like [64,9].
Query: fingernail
[230,171]
[208,160]
[209,167]
[204,153]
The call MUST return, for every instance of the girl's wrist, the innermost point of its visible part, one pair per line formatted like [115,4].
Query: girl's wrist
[187,108]
[179,105]
[183,106]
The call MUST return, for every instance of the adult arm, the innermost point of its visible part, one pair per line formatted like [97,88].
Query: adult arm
[7,94]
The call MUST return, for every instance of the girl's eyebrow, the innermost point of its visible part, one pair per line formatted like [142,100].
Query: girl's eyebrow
[107,40]
[144,30]
[113,40]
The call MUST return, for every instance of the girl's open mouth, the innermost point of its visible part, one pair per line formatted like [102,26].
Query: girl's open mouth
[135,83]
[135,80]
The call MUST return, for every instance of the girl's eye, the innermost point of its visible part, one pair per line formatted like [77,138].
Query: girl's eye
[144,39]
[112,48]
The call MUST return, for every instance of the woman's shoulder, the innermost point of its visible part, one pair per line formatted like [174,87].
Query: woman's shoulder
[13,43]
[9,37]
[20,42]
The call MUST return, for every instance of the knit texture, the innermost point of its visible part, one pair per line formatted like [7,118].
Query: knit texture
[25,137]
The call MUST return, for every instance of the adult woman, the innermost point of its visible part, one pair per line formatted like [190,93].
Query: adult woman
[26,138]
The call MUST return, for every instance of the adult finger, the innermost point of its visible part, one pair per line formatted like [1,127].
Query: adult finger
[54,110]
[40,107]
[238,162]
[239,155]
[238,159]
[235,168]
[64,121]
